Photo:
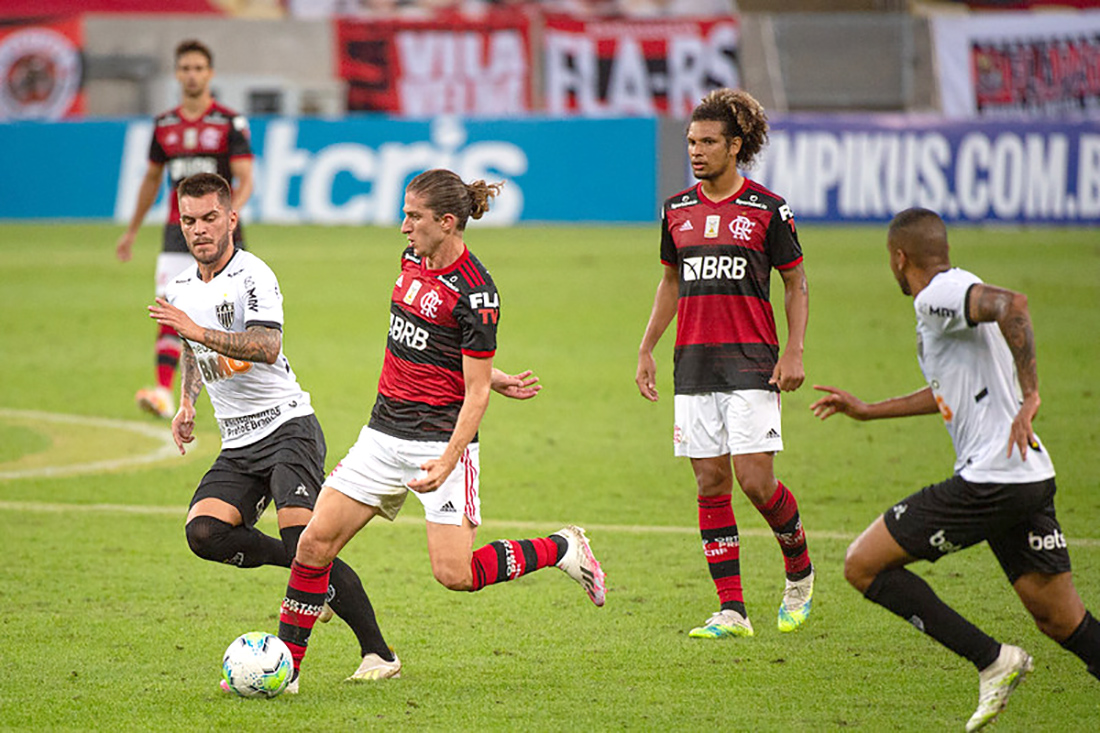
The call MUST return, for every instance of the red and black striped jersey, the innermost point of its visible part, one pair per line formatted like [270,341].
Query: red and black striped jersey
[436,318]
[724,251]
[204,145]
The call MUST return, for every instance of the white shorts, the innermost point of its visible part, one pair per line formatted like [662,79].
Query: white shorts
[377,469]
[170,264]
[716,423]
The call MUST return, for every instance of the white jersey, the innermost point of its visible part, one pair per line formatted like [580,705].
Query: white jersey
[973,377]
[251,399]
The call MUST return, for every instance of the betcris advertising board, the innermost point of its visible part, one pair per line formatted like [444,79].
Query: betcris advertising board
[867,168]
[830,168]
[350,171]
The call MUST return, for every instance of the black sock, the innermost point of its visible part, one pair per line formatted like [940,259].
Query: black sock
[908,596]
[1085,643]
[348,600]
[245,547]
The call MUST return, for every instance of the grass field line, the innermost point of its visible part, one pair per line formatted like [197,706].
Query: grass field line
[166,447]
[493,525]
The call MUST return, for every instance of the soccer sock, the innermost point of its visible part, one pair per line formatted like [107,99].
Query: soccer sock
[1085,643]
[907,595]
[169,348]
[722,548]
[245,547]
[347,598]
[504,560]
[781,514]
[304,600]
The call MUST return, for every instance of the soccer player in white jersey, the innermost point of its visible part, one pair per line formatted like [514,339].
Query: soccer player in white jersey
[976,349]
[229,312]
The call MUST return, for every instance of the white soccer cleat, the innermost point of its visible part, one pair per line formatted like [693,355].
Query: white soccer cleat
[725,624]
[996,683]
[156,401]
[581,565]
[798,598]
[375,667]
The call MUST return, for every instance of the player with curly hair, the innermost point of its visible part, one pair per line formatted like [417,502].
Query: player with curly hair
[720,239]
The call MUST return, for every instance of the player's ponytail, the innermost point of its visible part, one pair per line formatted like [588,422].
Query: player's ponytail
[445,193]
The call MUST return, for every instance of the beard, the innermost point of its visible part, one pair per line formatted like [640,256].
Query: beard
[222,245]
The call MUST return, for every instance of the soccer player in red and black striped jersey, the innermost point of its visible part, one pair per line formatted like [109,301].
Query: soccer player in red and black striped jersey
[720,241]
[198,136]
[423,432]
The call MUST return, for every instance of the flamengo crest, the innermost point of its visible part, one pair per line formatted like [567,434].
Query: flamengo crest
[225,313]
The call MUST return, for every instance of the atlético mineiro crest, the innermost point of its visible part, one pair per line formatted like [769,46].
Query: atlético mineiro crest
[225,314]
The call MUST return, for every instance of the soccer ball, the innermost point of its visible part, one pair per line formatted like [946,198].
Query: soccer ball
[257,664]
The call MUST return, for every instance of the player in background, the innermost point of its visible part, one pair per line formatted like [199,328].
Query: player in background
[720,240]
[229,311]
[198,136]
[423,431]
[976,349]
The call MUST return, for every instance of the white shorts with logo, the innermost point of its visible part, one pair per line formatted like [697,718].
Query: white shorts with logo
[716,423]
[377,469]
[170,264]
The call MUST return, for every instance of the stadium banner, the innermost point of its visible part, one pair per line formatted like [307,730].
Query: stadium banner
[1011,64]
[450,65]
[635,66]
[350,171]
[41,70]
[866,168]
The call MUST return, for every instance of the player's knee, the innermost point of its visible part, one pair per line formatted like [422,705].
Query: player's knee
[452,577]
[313,550]
[856,571]
[209,538]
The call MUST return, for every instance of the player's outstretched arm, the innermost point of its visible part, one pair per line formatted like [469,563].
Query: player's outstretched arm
[988,303]
[522,386]
[256,343]
[664,310]
[921,402]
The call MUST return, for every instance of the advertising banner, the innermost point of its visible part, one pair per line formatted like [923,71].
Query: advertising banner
[454,65]
[1013,64]
[868,168]
[41,70]
[626,67]
[350,171]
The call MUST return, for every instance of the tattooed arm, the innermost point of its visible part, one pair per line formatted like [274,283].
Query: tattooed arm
[988,303]
[183,424]
[257,343]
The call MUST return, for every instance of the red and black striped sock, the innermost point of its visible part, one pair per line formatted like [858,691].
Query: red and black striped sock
[505,560]
[305,598]
[169,348]
[722,548]
[781,514]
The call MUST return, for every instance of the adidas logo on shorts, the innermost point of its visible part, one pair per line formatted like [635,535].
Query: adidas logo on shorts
[448,507]
[773,434]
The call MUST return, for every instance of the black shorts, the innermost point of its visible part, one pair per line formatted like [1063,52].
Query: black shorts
[1017,520]
[287,466]
[175,242]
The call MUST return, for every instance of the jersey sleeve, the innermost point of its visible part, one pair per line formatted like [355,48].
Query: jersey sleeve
[263,301]
[784,250]
[477,313]
[156,150]
[240,138]
[669,256]
[941,306]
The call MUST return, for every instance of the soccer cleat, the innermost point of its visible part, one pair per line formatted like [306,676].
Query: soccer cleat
[723,625]
[374,667]
[156,401]
[798,598]
[996,683]
[326,614]
[581,565]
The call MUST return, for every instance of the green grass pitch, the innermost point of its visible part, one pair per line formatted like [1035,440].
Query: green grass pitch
[108,622]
